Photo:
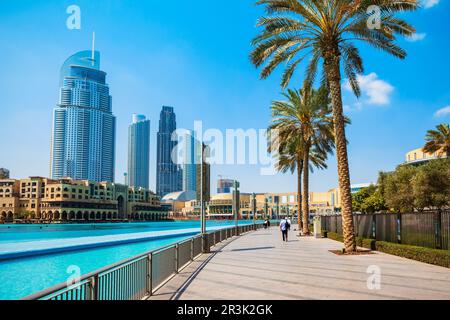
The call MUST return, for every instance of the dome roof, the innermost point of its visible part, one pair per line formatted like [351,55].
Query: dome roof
[180,196]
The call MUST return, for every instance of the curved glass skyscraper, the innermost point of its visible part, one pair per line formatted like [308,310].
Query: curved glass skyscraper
[83,135]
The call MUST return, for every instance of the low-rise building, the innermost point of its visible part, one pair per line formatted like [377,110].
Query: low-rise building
[39,199]
[418,156]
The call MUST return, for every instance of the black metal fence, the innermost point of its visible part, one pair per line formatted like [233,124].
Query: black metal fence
[429,229]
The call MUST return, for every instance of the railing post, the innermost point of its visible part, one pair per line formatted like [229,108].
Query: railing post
[149,275]
[192,249]
[93,288]
[205,245]
[177,252]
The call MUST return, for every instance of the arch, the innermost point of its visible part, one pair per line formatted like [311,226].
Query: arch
[50,215]
[79,215]
[57,215]
[71,215]
[103,216]
[98,216]
[120,204]
[64,216]
[86,216]
[108,216]
[10,216]
[92,215]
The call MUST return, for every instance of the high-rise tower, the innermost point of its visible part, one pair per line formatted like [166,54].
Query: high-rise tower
[83,134]
[139,152]
[190,158]
[168,174]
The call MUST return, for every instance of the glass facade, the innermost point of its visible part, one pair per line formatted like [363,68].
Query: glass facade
[83,134]
[139,152]
[189,147]
[169,177]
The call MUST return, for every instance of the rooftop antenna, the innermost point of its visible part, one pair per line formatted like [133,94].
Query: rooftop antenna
[93,48]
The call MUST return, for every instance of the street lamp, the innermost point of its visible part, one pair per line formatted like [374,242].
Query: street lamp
[235,205]
[205,245]
[254,208]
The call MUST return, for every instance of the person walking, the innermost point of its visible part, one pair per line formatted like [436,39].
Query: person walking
[284,228]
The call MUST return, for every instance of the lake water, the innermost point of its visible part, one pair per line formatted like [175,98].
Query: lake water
[24,276]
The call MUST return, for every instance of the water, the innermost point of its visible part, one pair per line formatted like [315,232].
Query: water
[22,277]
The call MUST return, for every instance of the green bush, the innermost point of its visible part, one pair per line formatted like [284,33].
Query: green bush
[427,255]
[334,236]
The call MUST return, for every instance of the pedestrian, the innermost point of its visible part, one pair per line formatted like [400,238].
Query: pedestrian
[284,229]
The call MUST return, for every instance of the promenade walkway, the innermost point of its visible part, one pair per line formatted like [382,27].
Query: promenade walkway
[260,266]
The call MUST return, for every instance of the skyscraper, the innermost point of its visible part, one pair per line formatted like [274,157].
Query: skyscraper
[190,157]
[224,185]
[83,134]
[168,175]
[139,152]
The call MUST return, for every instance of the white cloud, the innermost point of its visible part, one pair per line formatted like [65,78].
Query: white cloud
[442,112]
[429,3]
[416,37]
[374,90]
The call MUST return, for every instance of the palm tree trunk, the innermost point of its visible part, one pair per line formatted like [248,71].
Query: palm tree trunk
[305,197]
[332,64]
[299,194]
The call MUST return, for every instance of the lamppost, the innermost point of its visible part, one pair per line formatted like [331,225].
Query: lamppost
[205,245]
[254,208]
[266,208]
[235,205]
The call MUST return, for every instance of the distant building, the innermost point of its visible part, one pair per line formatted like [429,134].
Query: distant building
[189,146]
[65,200]
[4,173]
[224,185]
[169,176]
[355,188]
[418,156]
[83,134]
[139,152]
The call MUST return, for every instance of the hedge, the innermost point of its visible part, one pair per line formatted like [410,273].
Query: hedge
[427,255]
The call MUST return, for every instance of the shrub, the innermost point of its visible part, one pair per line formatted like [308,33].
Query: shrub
[427,255]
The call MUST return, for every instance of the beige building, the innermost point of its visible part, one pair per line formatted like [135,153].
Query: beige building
[417,156]
[273,205]
[39,199]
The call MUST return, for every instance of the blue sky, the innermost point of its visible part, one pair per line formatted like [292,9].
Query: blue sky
[193,55]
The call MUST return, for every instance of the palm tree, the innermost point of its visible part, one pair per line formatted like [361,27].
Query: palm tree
[438,140]
[326,30]
[305,131]
[290,158]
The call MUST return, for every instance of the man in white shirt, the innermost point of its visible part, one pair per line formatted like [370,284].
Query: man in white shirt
[284,228]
